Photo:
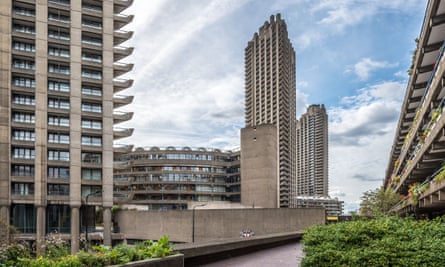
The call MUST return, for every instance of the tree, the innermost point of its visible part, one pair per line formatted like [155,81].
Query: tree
[378,202]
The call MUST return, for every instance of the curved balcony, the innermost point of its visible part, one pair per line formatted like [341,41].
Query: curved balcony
[121,84]
[121,5]
[120,116]
[121,20]
[121,165]
[121,68]
[121,36]
[119,133]
[122,148]
[122,100]
[120,52]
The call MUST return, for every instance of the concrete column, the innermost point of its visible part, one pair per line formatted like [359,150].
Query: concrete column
[75,229]
[107,226]
[4,220]
[40,227]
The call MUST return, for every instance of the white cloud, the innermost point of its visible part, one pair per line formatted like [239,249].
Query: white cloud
[365,66]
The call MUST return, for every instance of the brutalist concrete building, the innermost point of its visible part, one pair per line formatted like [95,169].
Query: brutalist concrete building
[269,135]
[60,60]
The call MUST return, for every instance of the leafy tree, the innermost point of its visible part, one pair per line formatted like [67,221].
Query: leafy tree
[378,202]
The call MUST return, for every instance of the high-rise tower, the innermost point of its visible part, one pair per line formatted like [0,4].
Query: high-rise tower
[312,152]
[58,69]
[270,87]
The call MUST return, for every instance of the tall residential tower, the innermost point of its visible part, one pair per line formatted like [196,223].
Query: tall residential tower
[58,69]
[269,135]
[312,152]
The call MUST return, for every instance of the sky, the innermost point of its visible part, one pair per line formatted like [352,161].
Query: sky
[352,56]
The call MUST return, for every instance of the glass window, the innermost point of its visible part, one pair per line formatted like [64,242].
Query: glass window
[92,174]
[59,172]
[23,135]
[58,51]
[58,121]
[24,64]
[88,90]
[23,217]
[58,68]
[59,85]
[23,153]
[58,103]
[88,189]
[58,189]
[28,47]
[91,141]
[23,117]
[92,57]
[58,155]
[23,100]
[91,157]
[58,219]
[24,11]
[22,170]
[24,82]
[90,107]
[24,29]
[91,124]
[58,34]
[59,17]
[22,188]
[58,138]
[92,74]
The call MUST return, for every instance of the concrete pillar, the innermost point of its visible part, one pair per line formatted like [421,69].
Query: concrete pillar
[40,228]
[4,220]
[107,226]
[75,229]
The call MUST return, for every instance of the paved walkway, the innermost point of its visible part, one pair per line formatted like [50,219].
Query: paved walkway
[282,256]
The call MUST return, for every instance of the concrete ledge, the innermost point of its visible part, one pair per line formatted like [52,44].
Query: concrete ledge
[195,253]
[176,260]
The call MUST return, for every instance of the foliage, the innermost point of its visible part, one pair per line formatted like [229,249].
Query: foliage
[385,241]
[378,201]
[56,254]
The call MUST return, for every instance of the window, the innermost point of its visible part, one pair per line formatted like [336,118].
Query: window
[91,40]
[23,64]
[58,217]
[92,74]
[92,57]
[23,117]
[90,22]
[24,29]
[91,157]
[58,34]
[90,7]
[22,135]
[23,153]
[22,189]
[24,82]
[91,141]
[58,138]
[89,107]
[58,121]
[59,17]
[23,217]
[22,170]
[58,189]
[92,174]
[58,51]
[58,68]
[58,172]
[24,11]
[91,124]
[87,90]
[59,85]
[88,189]
[23,100]
[58,103]
[23,46]
[58,155]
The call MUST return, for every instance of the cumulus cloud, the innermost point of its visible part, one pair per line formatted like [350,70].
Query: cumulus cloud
[365,66]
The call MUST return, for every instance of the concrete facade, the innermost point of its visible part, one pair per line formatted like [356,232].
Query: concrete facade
[212,225]
[59,64]
[312,153]
[270,96]
[259,166]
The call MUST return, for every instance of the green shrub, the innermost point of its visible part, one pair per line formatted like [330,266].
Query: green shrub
[385,241]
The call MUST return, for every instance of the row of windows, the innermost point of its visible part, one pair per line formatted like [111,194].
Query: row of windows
[61,172]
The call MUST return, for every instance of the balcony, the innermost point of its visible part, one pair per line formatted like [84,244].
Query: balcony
[120,52]
[119,132]
[122,100]
[121,68]
[121,84]
[121,20]
[121,165]
[121,36]
[120,116]
[121,5]
[122,148]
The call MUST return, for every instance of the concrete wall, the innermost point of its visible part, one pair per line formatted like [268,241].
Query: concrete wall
[211,225]
[259,166]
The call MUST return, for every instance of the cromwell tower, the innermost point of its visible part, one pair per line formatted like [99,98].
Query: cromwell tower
[268,140]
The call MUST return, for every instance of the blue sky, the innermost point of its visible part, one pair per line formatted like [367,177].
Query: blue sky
[352,56]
